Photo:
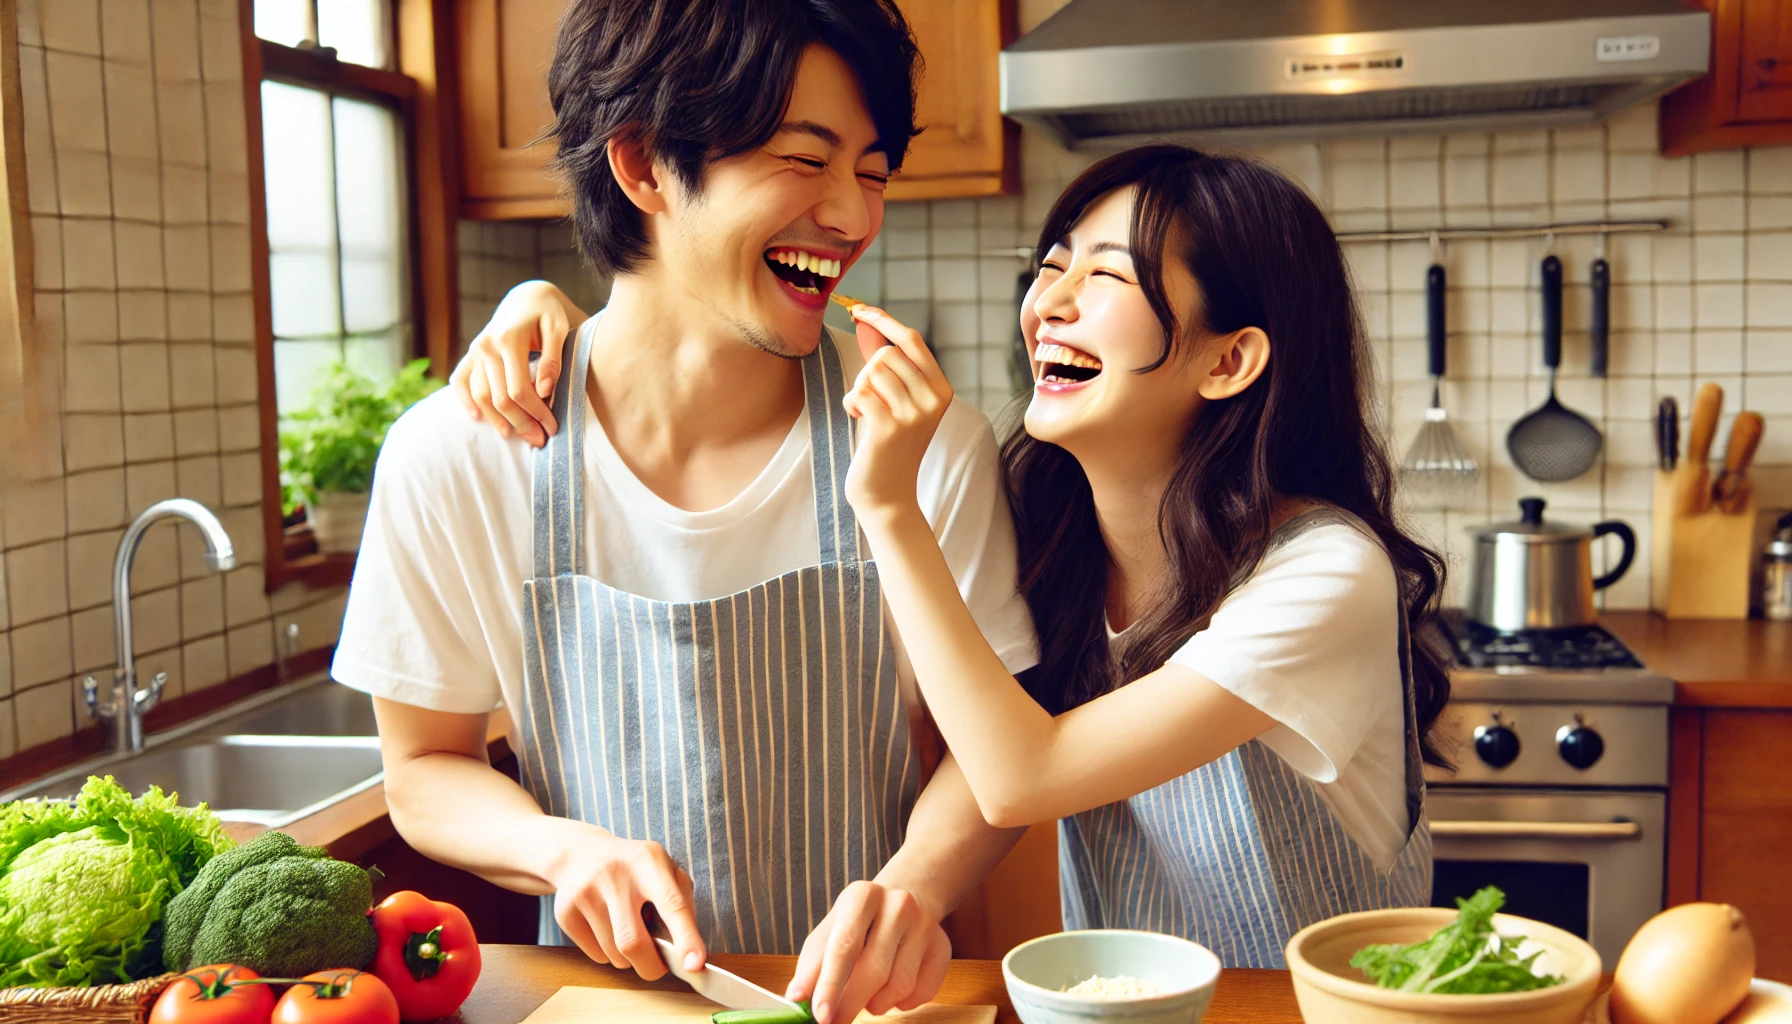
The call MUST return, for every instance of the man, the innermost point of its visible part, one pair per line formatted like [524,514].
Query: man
[711,711]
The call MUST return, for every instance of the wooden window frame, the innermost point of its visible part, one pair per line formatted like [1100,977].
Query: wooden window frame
[414,91]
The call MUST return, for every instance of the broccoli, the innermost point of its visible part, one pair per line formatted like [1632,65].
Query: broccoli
[276,907]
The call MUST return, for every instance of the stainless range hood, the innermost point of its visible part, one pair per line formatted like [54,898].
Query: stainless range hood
[1113,72]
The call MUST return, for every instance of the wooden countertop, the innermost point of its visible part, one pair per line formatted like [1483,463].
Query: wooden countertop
[1730,663]
[514,980]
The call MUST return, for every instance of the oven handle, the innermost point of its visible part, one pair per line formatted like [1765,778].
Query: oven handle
[1596,830]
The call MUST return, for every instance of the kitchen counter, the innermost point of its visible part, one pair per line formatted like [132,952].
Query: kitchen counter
[516,979]
[1730,663]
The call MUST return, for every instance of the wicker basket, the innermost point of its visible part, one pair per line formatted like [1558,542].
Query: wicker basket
[101,1004]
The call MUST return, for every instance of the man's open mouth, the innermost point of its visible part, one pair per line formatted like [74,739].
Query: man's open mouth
[1061,364]
[806,272]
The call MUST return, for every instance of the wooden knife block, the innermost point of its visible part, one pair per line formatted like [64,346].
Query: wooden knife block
[1699,564]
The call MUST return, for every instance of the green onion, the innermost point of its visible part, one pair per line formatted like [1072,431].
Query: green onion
[764,1016]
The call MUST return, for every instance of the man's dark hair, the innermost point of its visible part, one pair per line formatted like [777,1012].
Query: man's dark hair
[697,81]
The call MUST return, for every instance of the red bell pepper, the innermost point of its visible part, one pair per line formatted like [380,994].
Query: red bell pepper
[428,955]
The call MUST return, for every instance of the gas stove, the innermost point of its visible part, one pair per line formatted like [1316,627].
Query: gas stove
[1560,740]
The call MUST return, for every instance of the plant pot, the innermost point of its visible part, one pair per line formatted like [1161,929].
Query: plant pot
[337,519]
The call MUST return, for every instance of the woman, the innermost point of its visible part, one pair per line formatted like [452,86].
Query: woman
[1231,707]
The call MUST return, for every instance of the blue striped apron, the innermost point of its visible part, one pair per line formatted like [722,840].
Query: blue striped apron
[1240,853]
[759,737]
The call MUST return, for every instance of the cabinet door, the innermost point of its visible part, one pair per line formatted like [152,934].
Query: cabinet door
[1745,827]
[966,147]
[1764,72]
[505,49]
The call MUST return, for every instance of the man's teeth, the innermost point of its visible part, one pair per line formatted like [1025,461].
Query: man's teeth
[1065,356]
[817,265]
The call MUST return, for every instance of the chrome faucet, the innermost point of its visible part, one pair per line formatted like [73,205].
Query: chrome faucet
[128,704]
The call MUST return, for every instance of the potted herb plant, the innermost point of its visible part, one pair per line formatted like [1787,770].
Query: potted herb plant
[327,451]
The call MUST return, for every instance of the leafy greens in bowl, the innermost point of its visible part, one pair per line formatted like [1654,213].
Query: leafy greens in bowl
[1465,957]
[83,883]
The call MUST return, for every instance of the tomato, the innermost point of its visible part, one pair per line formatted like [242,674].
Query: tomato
[339,996]
[428,954]
[214,994]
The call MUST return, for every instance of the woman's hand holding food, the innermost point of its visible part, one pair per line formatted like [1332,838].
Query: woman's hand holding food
[494,380]
[899,399]
[878,949]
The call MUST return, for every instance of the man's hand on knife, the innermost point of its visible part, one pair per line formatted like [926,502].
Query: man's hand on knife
[878,949]
[601,883]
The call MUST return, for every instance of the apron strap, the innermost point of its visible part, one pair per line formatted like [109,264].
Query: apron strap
[830,446]
[558,486]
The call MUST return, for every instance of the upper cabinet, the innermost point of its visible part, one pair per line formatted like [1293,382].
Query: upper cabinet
[966,147]
[1746,100]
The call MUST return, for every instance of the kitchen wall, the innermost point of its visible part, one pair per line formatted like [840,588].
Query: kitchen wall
[1709,299]
[494,256]
[136,170]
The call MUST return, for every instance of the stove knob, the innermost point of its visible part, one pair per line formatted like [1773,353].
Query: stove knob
[1579,746]
[1496,744]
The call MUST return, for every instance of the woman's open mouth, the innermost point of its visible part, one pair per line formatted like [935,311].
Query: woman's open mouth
[807,273]
[1062,367]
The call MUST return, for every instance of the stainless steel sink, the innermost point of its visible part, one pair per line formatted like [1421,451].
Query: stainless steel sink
[277,758]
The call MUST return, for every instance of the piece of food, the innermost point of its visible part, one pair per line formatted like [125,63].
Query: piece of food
[337,997]
[214,994]
[1122,987]
[1465,957]
[1689,964]
[427,956]
[274,906]
[83,883]
[1762,1008]
[845,300]
[764,1016]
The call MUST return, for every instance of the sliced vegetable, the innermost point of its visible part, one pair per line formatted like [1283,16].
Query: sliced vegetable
[764,1016]
[273,905]
[215,994]
[83,883]
[337,997]
[428,954]
[1465,957]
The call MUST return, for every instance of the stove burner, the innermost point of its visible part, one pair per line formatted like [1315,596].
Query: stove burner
[1581,647]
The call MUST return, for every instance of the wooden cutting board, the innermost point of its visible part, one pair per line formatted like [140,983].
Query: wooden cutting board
[577,1005]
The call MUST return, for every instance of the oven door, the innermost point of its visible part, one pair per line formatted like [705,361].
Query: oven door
[1588,862]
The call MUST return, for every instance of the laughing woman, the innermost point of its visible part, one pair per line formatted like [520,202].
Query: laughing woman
[1231,708]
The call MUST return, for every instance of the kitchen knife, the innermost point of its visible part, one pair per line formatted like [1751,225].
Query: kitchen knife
[711,982]
[1667,434]
[1731,492]
[1695,483]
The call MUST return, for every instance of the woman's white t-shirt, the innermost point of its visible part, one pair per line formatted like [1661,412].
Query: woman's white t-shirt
[1311,639]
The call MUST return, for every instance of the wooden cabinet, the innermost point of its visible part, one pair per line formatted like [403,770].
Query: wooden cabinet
[1017,902]
[1730,821]
[1746,99]
[504,48]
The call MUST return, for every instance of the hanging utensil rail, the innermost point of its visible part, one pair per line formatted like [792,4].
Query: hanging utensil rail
[1601,227]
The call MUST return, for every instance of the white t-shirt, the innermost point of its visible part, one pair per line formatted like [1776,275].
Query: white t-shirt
[434,613]
[1312,641]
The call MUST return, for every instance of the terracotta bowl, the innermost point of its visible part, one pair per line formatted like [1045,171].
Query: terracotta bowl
[1331,991]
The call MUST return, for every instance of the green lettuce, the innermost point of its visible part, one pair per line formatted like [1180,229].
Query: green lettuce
[1465,957]
[83,884]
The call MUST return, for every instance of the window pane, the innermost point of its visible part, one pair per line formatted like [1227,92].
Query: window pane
[296,141]
[304,294]
[283,21]
[298,370]
[369,203]
[357,29]
[378,355]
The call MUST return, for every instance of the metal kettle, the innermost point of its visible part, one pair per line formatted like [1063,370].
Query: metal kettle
[1530,574]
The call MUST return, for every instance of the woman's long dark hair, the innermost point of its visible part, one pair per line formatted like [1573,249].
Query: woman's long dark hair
[1262,256]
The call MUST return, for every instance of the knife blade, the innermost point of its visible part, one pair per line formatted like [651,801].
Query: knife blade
[720,986]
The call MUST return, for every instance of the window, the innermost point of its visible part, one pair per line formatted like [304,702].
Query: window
[336,274]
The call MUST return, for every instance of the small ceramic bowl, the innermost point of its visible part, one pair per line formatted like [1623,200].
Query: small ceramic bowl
[1329,989]
[1038,972]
